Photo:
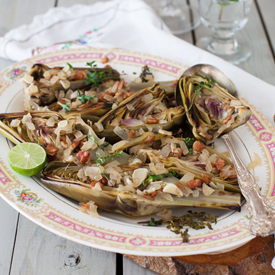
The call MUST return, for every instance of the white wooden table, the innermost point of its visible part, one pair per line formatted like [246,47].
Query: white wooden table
[26,248]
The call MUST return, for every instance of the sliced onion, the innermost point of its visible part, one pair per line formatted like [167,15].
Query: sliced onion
[99,126]
[15,123]
[165,151]
[114,122]
[65,83]
[167,133]
[130,107]
[196,193]
[187,177]
[172,189]
[226,167]
[206,190]
[165,214]
[147,97]
[166,196]
[121,133]
[119,144]
[235,102]
[208,167]
[131,122]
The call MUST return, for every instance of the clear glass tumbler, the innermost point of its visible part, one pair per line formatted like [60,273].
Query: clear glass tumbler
[224,18]
[177,15]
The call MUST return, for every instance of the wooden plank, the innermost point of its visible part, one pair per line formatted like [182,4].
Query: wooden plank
[131,268]
[15,12]
[8,218]
[261,63]
[267,9]
[39,251]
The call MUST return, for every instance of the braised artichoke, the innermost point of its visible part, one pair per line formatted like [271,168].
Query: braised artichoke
[61,137]
[107,189]
[138,111]
[210,109]
[43,84]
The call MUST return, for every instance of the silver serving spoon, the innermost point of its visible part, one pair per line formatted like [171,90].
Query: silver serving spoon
[262,221]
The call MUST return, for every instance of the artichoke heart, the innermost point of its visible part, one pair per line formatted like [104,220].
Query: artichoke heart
[144,109]
[211,110]
[115,191]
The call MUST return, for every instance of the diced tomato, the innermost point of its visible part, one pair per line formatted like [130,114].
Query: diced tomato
[132,133]
[150,196]
[51,150]
[231,173]
[104,59]
[101,95]
[149,139]
[74,145]
[94,182]
[79,75]
[128,94]
[206,179]
[198,146]
[140,104]
[85,206]
[84,104]
[121,84]
[219,163]
[120,93]
[195,183]
[227,119]
[177,152]
[83,156]
[180,185]
[152,120]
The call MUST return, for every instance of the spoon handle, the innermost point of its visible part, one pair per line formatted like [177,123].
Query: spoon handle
[262,221]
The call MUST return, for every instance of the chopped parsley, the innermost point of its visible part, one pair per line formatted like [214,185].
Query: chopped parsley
[64,106]
[145,71]
[105,144]
[154,177]
[189,143]
[71,67]
[102,159]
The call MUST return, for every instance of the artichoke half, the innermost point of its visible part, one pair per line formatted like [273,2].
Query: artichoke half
[210,109]
[66,180]
[42,83]
[60,136]
[135,113]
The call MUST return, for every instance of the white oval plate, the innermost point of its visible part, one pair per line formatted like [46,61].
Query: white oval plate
[115,232]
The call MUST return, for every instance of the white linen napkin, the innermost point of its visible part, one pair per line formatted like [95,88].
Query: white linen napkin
[127,24]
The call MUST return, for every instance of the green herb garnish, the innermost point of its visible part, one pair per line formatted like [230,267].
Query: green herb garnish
[71,67]
[158,177]
[91,64]
[145,71]
[95,78]
[162,176]
[64,106]
[189,143]
[195,220]
[154,222]
[110,157]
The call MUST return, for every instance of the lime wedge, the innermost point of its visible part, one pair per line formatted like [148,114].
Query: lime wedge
[27,158]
